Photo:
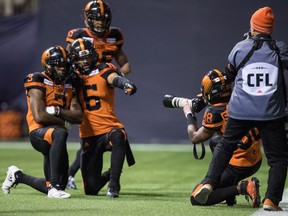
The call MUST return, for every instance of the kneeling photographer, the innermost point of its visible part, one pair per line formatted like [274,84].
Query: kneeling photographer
[247,158]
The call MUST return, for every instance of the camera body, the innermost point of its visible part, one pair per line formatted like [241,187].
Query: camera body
[196,104]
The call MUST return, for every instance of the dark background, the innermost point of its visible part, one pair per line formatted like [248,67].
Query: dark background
[170,45]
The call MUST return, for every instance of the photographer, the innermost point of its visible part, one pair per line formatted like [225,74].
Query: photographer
[246,159]
[256,65]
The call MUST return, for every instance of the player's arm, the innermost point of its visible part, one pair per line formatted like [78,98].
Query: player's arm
[195,135]
[122,61]
[198,136]
[121,82]
[38,109]
[74,115]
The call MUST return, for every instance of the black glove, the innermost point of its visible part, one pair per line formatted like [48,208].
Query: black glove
[130,88]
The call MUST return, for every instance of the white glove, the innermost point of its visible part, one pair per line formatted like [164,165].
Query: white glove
[53,110]
[67,125]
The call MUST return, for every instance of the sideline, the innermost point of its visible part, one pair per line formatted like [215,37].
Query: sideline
[135,147]
[283,205]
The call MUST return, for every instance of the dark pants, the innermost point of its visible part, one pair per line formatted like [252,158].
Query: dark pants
[54,150]
[91,163]
[226,189]
[275,147]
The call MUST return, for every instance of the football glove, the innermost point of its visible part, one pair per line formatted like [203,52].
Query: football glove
[129,88]
[53,110]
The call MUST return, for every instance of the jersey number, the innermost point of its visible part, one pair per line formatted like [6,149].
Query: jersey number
[92,102]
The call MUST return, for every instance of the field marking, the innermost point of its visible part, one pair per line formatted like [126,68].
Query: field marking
[283,205]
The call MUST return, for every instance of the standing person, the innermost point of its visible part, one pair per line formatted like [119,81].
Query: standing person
[246,160]
[258,100]
[100,130]
[108,42]
[52,107]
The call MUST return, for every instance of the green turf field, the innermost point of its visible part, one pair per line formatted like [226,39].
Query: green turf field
[159,184]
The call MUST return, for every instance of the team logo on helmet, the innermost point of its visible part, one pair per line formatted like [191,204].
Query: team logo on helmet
[214,87]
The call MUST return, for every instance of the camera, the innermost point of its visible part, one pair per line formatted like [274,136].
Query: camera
[247,35]
[171,101]
[196,104]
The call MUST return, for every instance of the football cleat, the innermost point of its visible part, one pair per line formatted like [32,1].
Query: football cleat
[112,192]
[59,194]
[252,191]
[10,179]
[71,183]
[202,192]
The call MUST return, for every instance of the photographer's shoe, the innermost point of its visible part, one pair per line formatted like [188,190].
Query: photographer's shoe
[268,205]
[10,179]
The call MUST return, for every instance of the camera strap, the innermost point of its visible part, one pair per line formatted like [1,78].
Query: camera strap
[202,153]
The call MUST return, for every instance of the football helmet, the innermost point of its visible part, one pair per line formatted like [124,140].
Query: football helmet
[83,55]
[214,87]
[54,61]
[100,11]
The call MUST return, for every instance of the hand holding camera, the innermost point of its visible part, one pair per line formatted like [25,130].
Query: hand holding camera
[196,104]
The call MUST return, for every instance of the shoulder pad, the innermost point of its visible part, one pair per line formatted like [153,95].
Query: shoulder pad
[105,65]
[115,33]
[34,77]
[76,33]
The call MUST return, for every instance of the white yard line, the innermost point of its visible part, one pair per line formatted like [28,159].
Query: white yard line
[283,205]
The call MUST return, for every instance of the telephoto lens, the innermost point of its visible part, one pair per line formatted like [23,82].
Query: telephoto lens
[171,101]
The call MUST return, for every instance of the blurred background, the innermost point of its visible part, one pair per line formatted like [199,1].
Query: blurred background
[170,45]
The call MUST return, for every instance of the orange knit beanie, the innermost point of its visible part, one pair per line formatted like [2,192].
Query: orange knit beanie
[263,20]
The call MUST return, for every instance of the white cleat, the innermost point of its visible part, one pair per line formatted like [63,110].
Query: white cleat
[71,183]
[10,179]
[60,194]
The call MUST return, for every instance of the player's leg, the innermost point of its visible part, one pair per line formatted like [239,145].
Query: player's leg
[51,142]
[92,164]
[117,141]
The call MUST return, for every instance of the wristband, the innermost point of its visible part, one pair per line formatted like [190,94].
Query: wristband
[191,119]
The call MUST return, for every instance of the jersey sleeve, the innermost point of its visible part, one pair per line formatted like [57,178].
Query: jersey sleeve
[73,35]
[34,80]
[106,69]
[214,117]
[116,33]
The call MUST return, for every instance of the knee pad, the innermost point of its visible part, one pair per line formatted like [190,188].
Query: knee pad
[117,136]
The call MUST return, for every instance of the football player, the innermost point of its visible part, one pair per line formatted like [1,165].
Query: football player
[100,130]
[52,107]
[108,42]
[246,159]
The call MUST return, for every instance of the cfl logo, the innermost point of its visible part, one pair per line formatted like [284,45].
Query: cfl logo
[257,80]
